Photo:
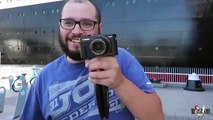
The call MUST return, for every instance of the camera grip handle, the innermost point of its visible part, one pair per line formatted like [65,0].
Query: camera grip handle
[102,97]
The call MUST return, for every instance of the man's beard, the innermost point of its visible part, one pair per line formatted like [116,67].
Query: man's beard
[74,55]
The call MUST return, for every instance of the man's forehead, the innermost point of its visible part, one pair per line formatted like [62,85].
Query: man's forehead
[80,2]
[78,10]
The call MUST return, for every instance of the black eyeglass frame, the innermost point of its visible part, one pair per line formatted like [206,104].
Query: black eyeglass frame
[78,22]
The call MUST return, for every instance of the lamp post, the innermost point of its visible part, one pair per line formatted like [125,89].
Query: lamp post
[0,58]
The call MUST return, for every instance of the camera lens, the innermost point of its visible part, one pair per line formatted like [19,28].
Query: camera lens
[98,47]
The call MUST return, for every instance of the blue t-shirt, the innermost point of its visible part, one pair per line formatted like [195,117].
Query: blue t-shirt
[63,91]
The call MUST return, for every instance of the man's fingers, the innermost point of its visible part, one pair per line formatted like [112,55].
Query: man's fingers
[94,60]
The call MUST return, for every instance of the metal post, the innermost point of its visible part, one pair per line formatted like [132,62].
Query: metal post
[21,97]
[0,65]
[2,98]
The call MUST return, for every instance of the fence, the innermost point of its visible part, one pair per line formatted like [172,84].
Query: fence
[167,74]
[179,74]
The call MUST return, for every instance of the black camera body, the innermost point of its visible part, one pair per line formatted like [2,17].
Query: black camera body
[98,45]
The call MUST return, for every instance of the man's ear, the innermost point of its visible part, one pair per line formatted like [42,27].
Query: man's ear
[100,28]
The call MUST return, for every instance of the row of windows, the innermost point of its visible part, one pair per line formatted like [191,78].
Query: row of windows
[25,33]
[22,14]
[44,12]
[126,2]
[113,2]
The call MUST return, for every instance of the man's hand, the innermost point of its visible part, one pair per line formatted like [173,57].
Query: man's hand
[105,71]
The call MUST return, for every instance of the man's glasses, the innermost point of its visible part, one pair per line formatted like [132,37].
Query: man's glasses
[69,24]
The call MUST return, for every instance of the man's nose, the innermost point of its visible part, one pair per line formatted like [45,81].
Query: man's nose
[77,29]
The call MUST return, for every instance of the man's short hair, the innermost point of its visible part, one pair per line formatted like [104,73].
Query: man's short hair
[98,13]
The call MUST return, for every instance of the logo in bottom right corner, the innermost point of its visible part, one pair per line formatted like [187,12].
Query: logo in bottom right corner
[200,111]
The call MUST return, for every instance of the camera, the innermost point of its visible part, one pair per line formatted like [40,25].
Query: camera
[98,45]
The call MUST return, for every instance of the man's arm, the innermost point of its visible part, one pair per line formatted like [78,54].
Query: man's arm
[144,106]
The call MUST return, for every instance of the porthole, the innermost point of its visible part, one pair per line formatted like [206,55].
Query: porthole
[43,12]
[126,2]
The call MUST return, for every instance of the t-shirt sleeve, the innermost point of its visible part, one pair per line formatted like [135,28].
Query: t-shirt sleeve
[137,75]
[134,71]
[31,109]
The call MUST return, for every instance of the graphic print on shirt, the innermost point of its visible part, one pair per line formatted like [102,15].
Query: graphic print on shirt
[75,100]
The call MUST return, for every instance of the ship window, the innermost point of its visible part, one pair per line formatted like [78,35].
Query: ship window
[23,14]
[44,12]
[35,13]
[126,2]
[57,10]
[17,33]
[106,3]
[9,16]
[25,33]
[36,32]
[133,1]
[53,11]
[113,3]
[200,48]
[7,33]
